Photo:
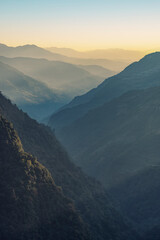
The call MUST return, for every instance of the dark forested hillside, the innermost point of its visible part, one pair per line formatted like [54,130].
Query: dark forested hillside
[91,200]
[31,205]
[139,198]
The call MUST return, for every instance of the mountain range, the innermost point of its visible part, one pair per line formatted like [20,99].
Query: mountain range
[112,132]
[64,80]
[33,51]
[139,75]
[63,77]
[128,123]
[114,54]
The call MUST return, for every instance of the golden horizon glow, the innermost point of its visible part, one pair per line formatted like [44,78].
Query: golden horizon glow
[80,48]
[82,25]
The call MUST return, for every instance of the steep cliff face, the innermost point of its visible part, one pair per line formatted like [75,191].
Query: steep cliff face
[31,205]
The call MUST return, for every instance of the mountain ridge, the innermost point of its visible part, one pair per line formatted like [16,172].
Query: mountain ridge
[100,53]
[28,92]
[67,78]
[42,53]
[138,75]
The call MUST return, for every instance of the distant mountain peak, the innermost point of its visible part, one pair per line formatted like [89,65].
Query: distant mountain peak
[151,56]
[3,45]
[28,46]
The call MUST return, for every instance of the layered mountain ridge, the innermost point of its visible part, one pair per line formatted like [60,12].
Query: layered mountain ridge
[139,75]
[34,51]
[63,77]
[28,93]
[118,141]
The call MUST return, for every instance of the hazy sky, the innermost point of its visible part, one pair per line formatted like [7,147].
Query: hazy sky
[81,24]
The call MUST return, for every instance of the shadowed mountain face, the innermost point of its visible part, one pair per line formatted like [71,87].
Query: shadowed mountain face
[31,205]
[139,198]
[139,75]
[65,77]
[116,140]
[152,234]
[28,93]
[90,199]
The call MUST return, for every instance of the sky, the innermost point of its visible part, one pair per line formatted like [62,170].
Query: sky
[81,24]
